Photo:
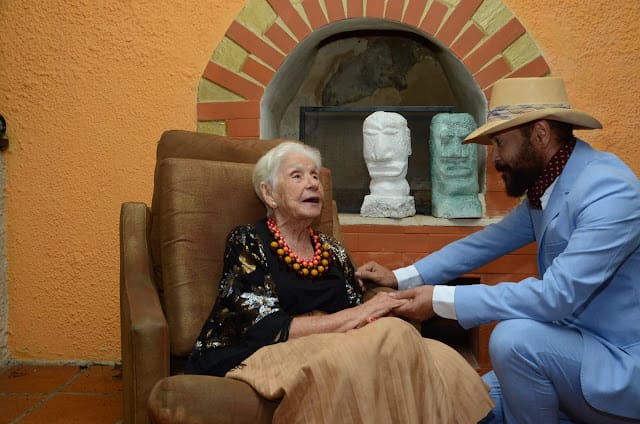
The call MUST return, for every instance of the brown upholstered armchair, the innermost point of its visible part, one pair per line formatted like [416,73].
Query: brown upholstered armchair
[170,262]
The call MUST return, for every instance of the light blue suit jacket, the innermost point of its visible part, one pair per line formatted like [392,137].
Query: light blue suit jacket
[589,258]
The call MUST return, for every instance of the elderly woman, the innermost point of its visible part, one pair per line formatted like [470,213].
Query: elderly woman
[285,282]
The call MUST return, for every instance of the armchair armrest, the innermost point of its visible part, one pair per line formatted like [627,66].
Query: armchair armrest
[207,399]
[144,331]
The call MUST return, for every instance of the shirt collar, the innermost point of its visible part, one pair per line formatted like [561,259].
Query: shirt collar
[544,199]
[551,172]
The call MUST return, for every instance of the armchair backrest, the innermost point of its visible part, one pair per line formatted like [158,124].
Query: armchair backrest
[202,190]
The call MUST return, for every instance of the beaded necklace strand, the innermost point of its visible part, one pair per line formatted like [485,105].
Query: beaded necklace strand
[312,268]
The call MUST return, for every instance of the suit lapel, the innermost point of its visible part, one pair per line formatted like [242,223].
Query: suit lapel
[566,180]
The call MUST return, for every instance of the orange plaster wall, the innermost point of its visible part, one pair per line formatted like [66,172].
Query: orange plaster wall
[87,88]
[595,46]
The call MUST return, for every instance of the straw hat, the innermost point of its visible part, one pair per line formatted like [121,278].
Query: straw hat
[516,101]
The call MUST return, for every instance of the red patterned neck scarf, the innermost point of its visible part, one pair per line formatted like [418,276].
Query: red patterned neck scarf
[551,171]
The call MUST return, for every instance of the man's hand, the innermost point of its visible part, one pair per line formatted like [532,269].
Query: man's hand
[376,273]
[419,305]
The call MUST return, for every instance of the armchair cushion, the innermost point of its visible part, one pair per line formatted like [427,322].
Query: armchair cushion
[197,213]
[192,145]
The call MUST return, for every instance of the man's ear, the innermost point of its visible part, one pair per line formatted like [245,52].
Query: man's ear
[541,133]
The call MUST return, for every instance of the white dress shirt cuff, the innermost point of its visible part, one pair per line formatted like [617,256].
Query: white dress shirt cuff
[443,297]
[408,277]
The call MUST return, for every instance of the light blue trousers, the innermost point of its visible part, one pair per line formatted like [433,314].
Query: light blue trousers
[536,376]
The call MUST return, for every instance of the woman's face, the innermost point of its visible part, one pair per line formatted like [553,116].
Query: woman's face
[298,193]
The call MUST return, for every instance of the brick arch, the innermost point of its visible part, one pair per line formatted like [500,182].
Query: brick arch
[253,48]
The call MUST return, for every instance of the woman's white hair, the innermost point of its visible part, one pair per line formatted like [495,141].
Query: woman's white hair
[268,165]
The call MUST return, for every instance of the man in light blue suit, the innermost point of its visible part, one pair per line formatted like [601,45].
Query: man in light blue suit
[567,347]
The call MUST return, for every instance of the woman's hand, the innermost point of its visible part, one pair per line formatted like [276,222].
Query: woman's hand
[381,305]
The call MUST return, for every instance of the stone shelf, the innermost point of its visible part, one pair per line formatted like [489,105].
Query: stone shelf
[416,220]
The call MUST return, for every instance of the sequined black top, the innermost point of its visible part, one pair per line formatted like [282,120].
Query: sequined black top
[259,295]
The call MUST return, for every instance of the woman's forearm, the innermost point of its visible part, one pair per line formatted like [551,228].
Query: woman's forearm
[338,322]
[380,305]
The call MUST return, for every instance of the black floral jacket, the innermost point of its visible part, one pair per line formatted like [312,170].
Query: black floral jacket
[248,313]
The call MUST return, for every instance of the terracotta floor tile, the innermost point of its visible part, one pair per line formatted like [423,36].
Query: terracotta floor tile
[67,408]
[12,405]
[35,379]
[97,379]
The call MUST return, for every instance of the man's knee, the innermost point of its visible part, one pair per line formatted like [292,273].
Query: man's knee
[513,338]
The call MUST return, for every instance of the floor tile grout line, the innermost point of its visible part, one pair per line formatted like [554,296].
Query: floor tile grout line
[51,394]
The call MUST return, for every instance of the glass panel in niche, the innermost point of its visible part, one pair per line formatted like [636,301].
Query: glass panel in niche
[337,132]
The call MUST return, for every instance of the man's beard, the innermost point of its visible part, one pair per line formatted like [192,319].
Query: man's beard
[527,166]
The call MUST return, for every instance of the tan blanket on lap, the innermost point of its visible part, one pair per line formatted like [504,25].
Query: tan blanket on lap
[384,372]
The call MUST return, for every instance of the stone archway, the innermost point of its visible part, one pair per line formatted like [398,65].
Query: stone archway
[484,35]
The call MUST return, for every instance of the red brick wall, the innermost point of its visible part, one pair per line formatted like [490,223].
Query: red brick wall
[396,246]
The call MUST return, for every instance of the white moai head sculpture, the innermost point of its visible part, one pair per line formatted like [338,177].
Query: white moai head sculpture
[386,150]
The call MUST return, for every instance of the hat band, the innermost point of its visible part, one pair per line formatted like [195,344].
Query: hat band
[503,113]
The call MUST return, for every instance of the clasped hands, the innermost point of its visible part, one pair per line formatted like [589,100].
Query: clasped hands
[415,303]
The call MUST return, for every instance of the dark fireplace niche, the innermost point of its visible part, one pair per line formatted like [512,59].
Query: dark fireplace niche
[450,332]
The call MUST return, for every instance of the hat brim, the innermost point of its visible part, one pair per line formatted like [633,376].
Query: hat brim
[580,121]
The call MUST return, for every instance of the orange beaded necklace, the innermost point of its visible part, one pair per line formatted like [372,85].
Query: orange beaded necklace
[311,268]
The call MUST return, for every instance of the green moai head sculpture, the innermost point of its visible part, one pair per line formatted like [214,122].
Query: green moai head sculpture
[454,166]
